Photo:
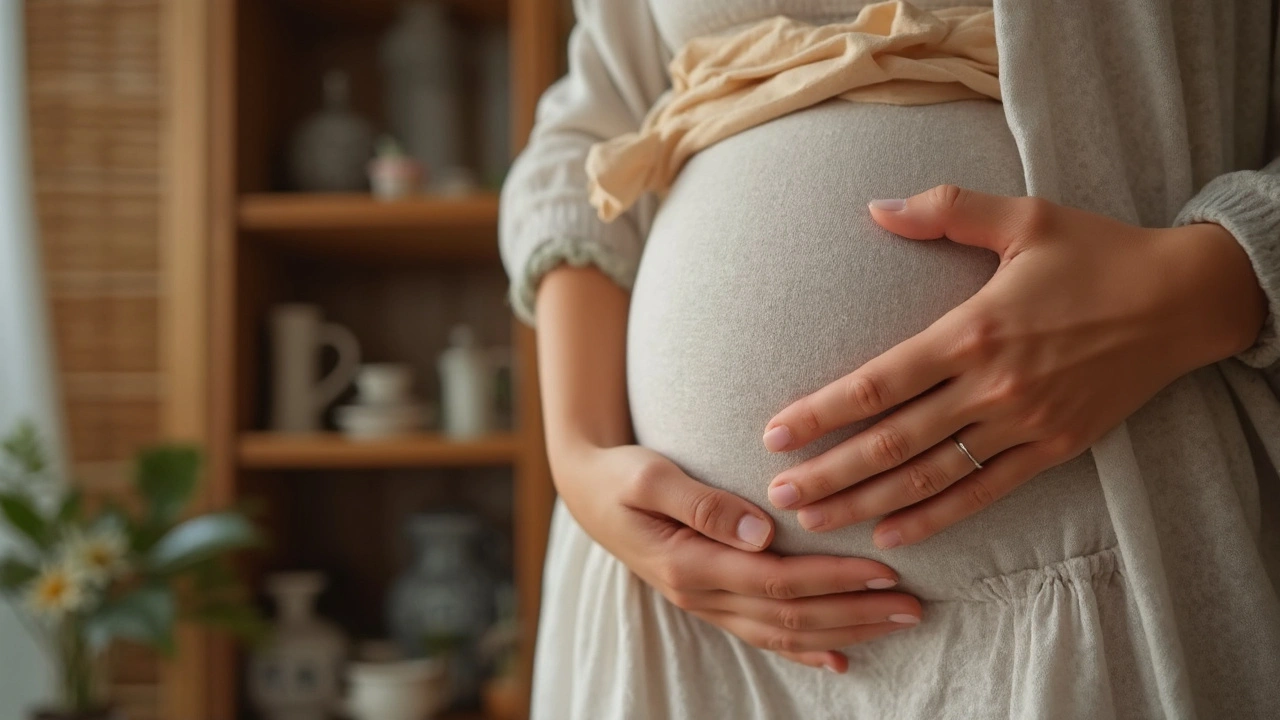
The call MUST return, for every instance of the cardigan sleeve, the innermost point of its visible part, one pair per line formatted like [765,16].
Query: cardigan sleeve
[616,73]
[1247,204]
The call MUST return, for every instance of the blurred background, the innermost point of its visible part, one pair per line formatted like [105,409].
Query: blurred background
[268,228]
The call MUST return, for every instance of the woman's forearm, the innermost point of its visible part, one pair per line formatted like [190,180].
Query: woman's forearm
[582,318]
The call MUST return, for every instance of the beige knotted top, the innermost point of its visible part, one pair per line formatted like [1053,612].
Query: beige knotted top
[721,85]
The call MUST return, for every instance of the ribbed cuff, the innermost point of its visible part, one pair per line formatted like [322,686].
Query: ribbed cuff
[535,243]
[1247,204]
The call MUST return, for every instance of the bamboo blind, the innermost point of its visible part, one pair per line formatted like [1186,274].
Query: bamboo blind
[96,113]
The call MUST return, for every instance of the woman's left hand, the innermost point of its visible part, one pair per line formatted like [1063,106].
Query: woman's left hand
[1085,320]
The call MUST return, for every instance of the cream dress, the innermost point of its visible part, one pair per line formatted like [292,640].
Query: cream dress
[1130,582]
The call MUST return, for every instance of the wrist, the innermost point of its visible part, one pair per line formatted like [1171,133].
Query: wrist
[1226,306]
[570,454]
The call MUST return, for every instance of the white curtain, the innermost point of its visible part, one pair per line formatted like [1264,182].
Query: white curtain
[26,361]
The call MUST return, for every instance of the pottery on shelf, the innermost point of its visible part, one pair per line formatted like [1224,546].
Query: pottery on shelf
[385,406]
[332,147]
[298,335]
[384,384]
[444,601]
[392,174]
[467,386]
[397,690]
[297,675]
[420,64]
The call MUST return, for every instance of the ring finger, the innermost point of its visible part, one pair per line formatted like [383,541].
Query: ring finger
[930,473]
[913,429]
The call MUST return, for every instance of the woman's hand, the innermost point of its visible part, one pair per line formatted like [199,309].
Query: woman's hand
[700,547]
[1084,321]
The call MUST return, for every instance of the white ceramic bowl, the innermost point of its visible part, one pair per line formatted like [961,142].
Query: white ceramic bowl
[404,690]
[371,422]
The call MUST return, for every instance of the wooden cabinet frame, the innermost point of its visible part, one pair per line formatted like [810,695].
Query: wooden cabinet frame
[201,226]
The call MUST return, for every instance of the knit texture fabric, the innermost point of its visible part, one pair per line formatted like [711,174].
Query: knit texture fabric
[1247,204]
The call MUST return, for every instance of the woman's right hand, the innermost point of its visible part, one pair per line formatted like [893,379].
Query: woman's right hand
[702,549]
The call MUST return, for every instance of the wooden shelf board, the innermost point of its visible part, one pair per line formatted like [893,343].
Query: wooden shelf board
[323,451]
[358,226]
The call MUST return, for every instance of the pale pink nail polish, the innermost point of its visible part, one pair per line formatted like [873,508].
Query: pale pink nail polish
[831,668]
[784,495]
[904,619]
[811,518]
[889,539]
[890,204]
[881,583]
[777,439]
[753,531]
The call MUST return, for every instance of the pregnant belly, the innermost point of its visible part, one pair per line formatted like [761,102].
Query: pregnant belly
[764,278]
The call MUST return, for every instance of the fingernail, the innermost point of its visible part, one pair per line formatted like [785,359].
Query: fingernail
[891,204]
[777,439]
[881,583]
[753,531]
[811,518]
[889,539]
[784,495]
[904,619]
[830,668]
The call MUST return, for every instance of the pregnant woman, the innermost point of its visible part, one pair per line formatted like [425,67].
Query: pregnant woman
[870,351]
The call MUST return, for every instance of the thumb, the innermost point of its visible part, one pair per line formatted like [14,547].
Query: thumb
[721,516]
[965,216]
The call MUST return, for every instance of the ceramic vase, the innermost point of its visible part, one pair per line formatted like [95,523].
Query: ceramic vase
[333,146]
[467,389]
[420,59]
[298,335]
[445,599]
[298,674]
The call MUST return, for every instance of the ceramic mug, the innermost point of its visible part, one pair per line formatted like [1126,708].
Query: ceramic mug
[299,396]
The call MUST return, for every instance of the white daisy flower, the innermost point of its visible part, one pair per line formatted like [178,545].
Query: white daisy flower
[59,589]
[100,556]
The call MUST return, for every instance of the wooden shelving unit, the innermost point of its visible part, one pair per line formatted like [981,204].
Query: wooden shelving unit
[328,451]
[440,229]
[397,273]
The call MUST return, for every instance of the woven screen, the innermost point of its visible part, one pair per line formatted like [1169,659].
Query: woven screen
[96,112]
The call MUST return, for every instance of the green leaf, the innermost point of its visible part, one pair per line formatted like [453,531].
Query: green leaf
[200,539]
[69,511]
[143,535]
[24,448]
[144,615]
[14,574]
[167,478]
[22,515]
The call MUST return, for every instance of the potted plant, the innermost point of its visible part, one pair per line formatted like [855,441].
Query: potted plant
[83,578]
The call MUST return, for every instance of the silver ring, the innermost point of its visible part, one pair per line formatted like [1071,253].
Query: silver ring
[976,465]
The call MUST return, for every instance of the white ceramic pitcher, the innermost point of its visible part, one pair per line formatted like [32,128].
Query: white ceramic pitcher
[298,334]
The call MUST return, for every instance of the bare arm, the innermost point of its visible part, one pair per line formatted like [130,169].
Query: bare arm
[582,320]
